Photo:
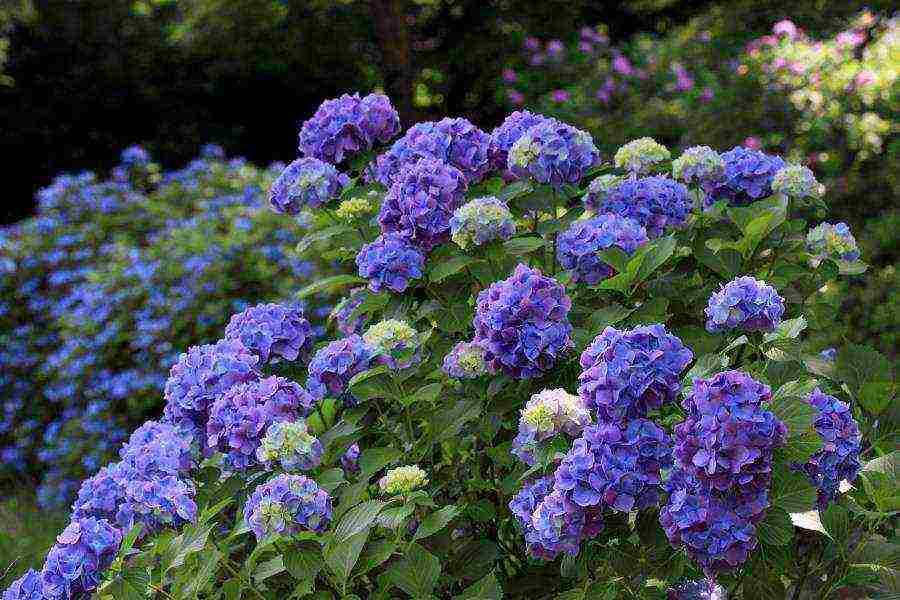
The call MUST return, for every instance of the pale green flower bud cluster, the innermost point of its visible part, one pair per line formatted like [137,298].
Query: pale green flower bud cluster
[698,165]
[797,181]
[640,155]
[396,340]
[356,208]
[403,480]
[481,221]
[291,445]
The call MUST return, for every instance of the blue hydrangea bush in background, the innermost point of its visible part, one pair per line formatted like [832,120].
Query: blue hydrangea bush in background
[552,373]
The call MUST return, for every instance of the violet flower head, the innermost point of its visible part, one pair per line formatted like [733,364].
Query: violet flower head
[333,366]
[274,332]
[100,495]
[550,522]
[390,262]
[706,589]
[599,190]
[75,565]
[344,126]
[748,176]
[507,134]
[547,414]
[287,505]
[658,203]
[465,361]
[831,241]
[744,303]
[578,246]
[156,503]
[480,221]
[350,459]
[838,460]
[627,374]
[344,309]
[306,183]
[419,204]
[522,323]
[554,153]
[26,587]
[160,449]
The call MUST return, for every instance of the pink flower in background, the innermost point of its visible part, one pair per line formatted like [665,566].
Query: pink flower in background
[769,40]
[509,76]
[559,96]
[850,39]
[779,63]
[515,97]
[864,78]
[707,95]
[622,66]
[785,28]
[532,43]
[753,143]
[797,67]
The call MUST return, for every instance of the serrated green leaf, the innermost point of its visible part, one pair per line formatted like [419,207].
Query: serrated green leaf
[791,491]
[486,588]
[426,393]
[131,583]
[435,522]
[304,562]
[776,528]
[341,557]
[357,519]
[655,255]
[417,573]
[522,245]
[375,553]
[320,236]
[269,568]
[393,517]
[329,285]
[452,266]
[374,383]
[372,460]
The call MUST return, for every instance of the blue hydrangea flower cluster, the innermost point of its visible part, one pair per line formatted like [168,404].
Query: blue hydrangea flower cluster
[419,204]
[464,361]
[706,589]
[344,126]
[344,310]
[522,323]
[390,262]
[627,374]
[577,247]
[744,303]
[156,503]
[350,459]
[599,190]
[287,505]
[480,221]
[748,177]
[75,565]
[160,448]
[26,587]
[290,445]
[456,142]
[306,183]
[507,134]
[838,460]
[658,203]
[273,332]
[831,241]
[332,367]
[798,182]
[547,414]
[554,153]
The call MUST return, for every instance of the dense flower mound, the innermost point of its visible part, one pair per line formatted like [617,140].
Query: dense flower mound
[797,181]
[547,414]
[403,480]
[524,505]
[156,503]
[838,460]
[616,466]
[554,153]
[599,190]
[347,125]
[507,134]
[627,374]
[697,590]
[350,459]
[831,241]
[332,367]
[456,142]
[160,448]
[394,342]
[290,445]
[657,203]
[26,587]
[480,221]
[390,262]
[342,314]
[746,304]
[306,183]
[287,505]
[748,176]
[578,246]
[557,527]
[641,155]
[699,165]
[522,323]
[273,332]
[464,361]
[421,201]
[74,566]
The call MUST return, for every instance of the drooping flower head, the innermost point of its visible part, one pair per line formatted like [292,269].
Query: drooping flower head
[343,312]
[641,155]
[522,323]
[658,203]
[419,204]
[480,221]
[403,480]
[465,361]
[546,415]
[626,374]
[306,183]
[395,342]
[390,262]
[797,182]
[290,445]
[599,190]
[273,332]
[744,303]
[699,165]
[344,126]
[838,460]
[75,565]
[508,133]
[577,247]
[26,587]
[554,153]
[287,505]
[748,176]
[831,241]
[332,367]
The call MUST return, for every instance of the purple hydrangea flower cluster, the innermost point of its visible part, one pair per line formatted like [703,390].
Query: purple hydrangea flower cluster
[657,203]
[481,221]
[577,247]
[157,502]
[160,449]
[554,153]
[697,590]
[287,505]
[464,361]
[456,142]
[507,134]
[343,312]
[599,190]
[748,176]
[75,565]
[744,303]
[273,332]
[350,459]
[522,323]
[306,183]
[26,587]
[343,126]
[547,414]
[421,201]
[332,367]
[626,374]
[838,460]
[390,262]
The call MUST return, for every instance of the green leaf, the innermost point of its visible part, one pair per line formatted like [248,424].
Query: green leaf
[329,284]
[427,393]
[616,258]
[417,573]
[435,522]
[372,460]
[522,245]
[515,189]
[790,329]
[341,557]
[359,518]
[791,491]
[789,403]
[305,562]
[654,255]
[868,374]
[320,236]
[881,478]
[486,588]
[706,365]
[776,529]
[375,554]
[452,266]
[269,568]
[374,383]
[394,516]
[131,583]
[609,315]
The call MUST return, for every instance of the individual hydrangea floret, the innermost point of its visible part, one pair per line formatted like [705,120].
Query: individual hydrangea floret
[75,565]
[290,445]
[699,165]
[545,415]
[455,142]
[306,183]
[706,589]
[578,246]
[797,182]
[626,374]
[641,155]
[344,126]
[395,343]
[838,460]
[508,133]
[332,367]
[26,587]
[744,303]
[421,201]
[273,331]
[748,176]
[350,459]
[390,262]
[599,190]
[403,480]
[465,361]
[343,312]
[134,156]
[658,203]
[522,323]
[287,505]
[480,221]
[831,241]
[554,153]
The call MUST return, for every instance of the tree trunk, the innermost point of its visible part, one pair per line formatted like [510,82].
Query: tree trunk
[393,39]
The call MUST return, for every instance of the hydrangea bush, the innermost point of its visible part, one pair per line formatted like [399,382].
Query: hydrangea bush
[485,420]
